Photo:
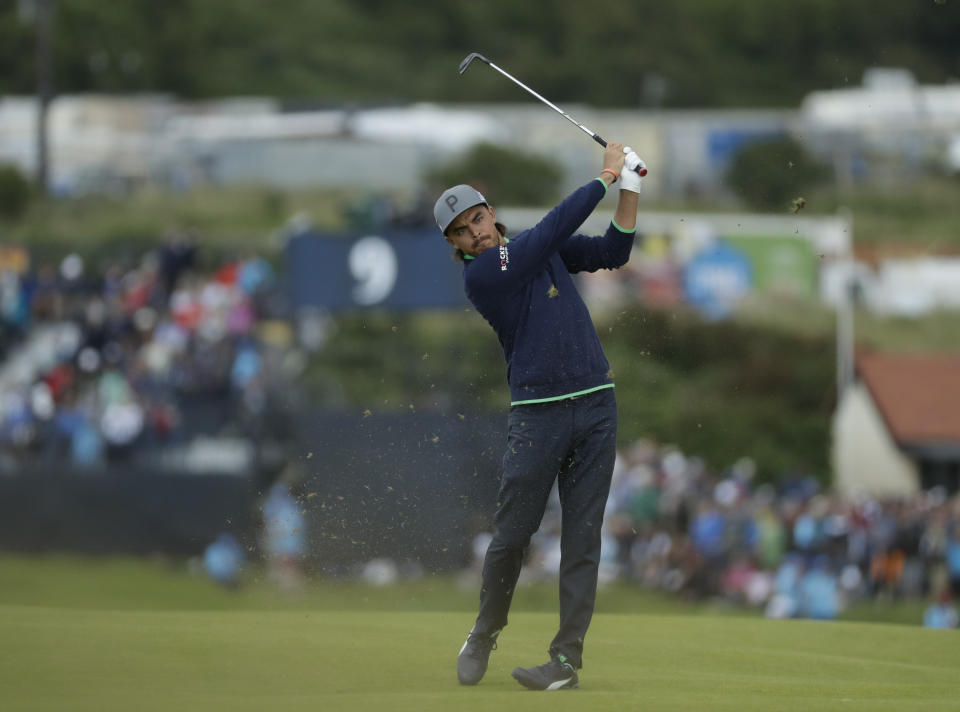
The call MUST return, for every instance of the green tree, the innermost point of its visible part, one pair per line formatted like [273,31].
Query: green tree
[502,174]
[769,173]
[703,53]
[15,192]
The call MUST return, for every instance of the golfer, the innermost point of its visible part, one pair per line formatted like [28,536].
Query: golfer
[562,424]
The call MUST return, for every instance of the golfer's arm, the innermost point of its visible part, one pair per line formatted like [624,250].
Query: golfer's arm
[626,214]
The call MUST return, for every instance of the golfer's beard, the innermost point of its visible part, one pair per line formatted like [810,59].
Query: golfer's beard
[482,243]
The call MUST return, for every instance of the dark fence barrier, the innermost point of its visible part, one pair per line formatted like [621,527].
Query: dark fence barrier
[409,487]
[130,511]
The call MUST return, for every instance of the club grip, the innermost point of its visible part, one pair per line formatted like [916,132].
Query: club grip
[596,137]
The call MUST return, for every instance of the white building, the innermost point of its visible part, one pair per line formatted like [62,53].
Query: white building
[881,130]
[896,429]
[93,140]
[888,128]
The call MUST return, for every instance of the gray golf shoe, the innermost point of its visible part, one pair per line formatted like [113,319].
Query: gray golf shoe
[557,674]
[474,656]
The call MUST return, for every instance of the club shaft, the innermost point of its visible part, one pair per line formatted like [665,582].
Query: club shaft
[641,169]
[553,106]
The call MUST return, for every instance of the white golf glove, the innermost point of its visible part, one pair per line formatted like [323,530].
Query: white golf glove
[630,177]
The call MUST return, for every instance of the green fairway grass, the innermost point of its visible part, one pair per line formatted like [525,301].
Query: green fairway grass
[69,659]
[163,584]
[128,635]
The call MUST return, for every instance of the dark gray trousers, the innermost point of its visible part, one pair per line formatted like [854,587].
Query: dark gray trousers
[572,442]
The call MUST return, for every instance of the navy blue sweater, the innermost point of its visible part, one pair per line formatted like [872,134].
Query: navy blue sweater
[524,290]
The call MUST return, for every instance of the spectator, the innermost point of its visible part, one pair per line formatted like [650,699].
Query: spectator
[807,529]
[785,602]
[819,595]
[284,537]
[941,613]
[177,255]
[709,538]
[771,537]
[223,561]
[953,558]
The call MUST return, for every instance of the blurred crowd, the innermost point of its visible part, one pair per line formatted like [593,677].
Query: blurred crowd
[793,550]
[96,361]
[97,365]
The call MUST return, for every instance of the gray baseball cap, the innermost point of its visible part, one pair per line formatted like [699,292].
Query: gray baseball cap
[453,202]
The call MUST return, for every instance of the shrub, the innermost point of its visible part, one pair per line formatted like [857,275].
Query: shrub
[769,174]
[14,192]
[500,171]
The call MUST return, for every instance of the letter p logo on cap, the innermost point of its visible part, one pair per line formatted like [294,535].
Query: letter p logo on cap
[453,202]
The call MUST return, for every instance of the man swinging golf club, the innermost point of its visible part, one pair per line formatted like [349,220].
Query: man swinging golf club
[562,423]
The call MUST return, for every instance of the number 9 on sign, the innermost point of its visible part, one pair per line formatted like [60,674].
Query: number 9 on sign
[373,264]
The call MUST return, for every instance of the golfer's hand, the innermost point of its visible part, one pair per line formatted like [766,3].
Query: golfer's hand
[613,157]
[632,165]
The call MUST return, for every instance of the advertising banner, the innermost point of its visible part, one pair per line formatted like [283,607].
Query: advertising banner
[785,265]
[389,269]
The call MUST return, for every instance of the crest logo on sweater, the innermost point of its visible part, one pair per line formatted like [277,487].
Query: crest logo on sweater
[504,258]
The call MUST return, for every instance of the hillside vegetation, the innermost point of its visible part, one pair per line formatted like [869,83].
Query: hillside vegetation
[762,385]
[701,53]
[919,217]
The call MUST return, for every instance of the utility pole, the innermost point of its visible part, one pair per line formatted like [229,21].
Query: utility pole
[44,67]
[846,340]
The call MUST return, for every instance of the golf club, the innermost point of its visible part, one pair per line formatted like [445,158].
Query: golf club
[474,55]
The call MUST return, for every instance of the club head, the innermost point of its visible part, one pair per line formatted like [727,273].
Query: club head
[469,58]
